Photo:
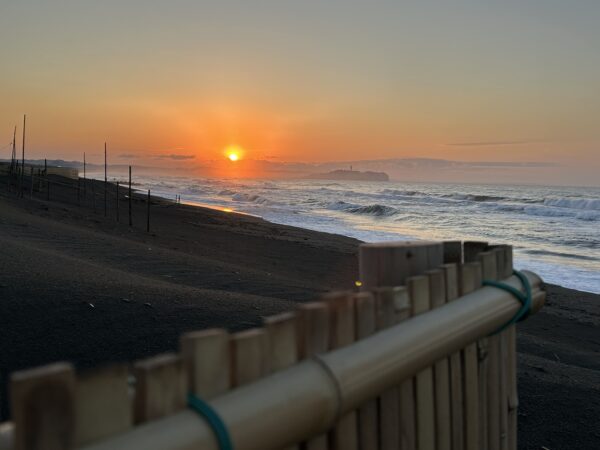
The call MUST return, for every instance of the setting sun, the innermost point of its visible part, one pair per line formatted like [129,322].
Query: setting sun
[234,152]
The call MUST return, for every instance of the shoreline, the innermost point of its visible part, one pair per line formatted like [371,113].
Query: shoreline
[80,287]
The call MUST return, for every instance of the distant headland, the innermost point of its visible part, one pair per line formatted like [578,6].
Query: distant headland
[349,175]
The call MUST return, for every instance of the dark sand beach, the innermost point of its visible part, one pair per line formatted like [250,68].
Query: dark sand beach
[78,286]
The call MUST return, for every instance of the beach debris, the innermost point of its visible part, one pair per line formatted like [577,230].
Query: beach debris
[126,300]
[148,305]
[91,305]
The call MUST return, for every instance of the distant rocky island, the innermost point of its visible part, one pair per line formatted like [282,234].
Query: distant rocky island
[350,175]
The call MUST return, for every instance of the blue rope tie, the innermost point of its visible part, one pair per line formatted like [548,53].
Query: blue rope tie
[524,298]
[213,419]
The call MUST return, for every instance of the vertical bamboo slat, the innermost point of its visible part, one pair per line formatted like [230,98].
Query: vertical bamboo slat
[341,333]
[493,381]
[313,338]
[418,288]
[503,363]
[161,387]
[390,264]
[443,431]
[249,356]
[470,280]
[456,372]
[43,407]
[389,401]
[282,344]
[453,252]
[102,404]
[364,306]
[512,398]
[206,357]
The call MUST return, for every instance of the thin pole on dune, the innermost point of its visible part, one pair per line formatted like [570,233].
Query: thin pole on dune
[117,201]
[148,213]
[105,179]
[46,178]
[84,181]
[22,158]
[129,197]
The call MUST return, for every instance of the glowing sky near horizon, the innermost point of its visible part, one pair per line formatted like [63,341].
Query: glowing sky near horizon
[305,80]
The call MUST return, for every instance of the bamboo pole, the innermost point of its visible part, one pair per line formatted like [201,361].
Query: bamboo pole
[102,404]
[161,387]
[512,401]
[206,355]
[117,202]
[129,198]
[84,177]
[391,426]
[249,356]
[313,339]
[390,263]
[418,288]
[282,349]
[344,435]
[456,372]
[22,159]
[105,181]
[470,281]
[307,398]
[43,407]
[46,178]
[443,430]
[364,311]
[491,380]
[504,367]
[453,252]
[406,390]
[148,213]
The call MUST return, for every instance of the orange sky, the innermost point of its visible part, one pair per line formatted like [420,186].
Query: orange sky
[304,82]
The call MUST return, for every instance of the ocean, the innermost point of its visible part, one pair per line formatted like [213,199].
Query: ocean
[555,231]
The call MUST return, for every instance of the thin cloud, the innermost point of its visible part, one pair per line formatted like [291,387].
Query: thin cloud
[128,156]
[175,157]
[489,143]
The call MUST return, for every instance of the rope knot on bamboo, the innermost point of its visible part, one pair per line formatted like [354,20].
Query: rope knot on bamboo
[524,298]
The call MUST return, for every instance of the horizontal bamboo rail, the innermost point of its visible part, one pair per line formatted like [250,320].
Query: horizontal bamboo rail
[308,398]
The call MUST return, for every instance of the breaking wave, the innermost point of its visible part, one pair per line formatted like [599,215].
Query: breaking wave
[573,203]
[371,210]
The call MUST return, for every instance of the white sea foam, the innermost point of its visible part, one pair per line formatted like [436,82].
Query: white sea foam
[555,231]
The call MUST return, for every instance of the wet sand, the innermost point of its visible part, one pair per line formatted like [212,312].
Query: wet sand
[78,286]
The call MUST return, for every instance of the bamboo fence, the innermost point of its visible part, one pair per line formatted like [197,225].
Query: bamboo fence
[412,360]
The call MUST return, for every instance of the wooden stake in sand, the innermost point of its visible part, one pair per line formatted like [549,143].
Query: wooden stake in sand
[22,158]
[84,179]
[105,180]
[117,202]
[129,197]
[148,213]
